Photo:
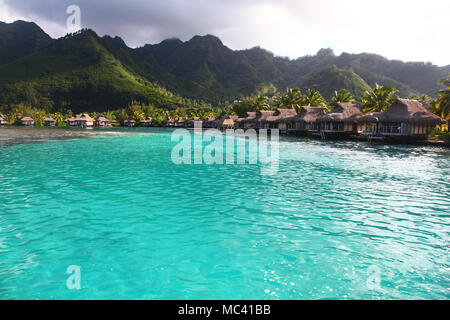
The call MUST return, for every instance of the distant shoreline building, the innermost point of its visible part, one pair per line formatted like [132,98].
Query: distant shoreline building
[49,122]
[27,121]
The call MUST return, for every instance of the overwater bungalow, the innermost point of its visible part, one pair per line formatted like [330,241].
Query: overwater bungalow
[27,121]
[274,121]
[368,124]
[102,122]
[3,120]
[71,122]
[49,122]
[405,118]
[342,120]
[226,122]
[180,122]
[147,122]
[81,120]
[210,123]
[191,123]
[304,121]
[238,124]
[129,122]
[84,120]
[248,123]
[169,122]
[264,119]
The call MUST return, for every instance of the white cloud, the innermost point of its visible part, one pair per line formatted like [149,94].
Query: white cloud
[410,30]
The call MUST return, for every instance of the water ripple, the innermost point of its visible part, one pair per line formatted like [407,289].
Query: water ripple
[141,227]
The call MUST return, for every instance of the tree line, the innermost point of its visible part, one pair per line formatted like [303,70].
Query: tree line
[377,99]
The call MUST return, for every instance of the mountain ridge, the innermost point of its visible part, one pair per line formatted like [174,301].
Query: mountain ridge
[201,68]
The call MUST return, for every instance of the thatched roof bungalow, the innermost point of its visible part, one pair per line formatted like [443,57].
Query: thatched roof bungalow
[368,123]
[250,122]
[27,121]
[169,122]
[71,122]
[49,122]
[305,120]
[226,122]
[191,123]
[129,122]
[180,122]
[264,119]
[102,122]
[403,118]
[210,123]
[342,119]
[147,122]
[81,120]
[274,121]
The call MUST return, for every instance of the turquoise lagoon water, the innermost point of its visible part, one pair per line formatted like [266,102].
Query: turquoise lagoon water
[339,220]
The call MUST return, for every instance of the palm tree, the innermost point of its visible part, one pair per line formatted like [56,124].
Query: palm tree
[313,98]
[344,96]
[442,105]
[292,98]
[59,118]
[379,98]
[423,98]
[262,103]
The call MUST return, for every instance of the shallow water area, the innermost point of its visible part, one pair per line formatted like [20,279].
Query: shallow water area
[339,220]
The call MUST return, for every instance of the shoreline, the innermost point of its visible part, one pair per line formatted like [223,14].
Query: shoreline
[11,135]
[22,135]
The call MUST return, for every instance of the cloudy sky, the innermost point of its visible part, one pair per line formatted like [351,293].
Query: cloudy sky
[410,30]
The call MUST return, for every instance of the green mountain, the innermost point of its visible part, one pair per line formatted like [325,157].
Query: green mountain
[329,79]
[79,72]
[19,39]
[89,73]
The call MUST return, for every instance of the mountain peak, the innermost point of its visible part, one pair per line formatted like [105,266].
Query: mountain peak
[206,39]
[325,52]
[116,41]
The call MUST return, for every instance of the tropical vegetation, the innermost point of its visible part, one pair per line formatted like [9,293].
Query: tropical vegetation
[442,104]
[379,98]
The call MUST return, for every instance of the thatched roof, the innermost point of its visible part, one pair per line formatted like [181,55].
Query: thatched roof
[413,111]
[180,120]
[49,120]
[370,117]
[129,121]
[26,119]
[282,114]
[84,117]
[307,114]
[148,120]
[225,121]
[251,117]
[343,112]
[101,118]
[265,115]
